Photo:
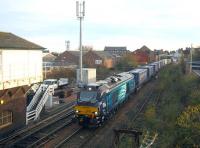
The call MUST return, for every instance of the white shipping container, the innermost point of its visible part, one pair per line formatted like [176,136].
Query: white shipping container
[89,75]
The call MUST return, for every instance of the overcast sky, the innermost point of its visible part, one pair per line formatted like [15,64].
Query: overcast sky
[166,24]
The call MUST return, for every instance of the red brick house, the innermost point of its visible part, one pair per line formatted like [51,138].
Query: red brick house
[69,57]
[144,55]
[141,58]
[98,58]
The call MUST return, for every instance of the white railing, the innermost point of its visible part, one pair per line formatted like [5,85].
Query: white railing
[48,92]
[34,114]
[30,116]
[35,98]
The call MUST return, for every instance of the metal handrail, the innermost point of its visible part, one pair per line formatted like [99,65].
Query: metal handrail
[34,114]
[35,98]
[43,100]
[30,115]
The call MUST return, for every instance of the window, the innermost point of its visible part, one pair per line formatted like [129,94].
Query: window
[5,118]
[88,96]
[98,61]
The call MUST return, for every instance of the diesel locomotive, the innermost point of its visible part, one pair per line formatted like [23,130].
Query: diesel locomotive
[98,101]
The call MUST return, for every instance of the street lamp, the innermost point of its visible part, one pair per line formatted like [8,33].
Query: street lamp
[80,13]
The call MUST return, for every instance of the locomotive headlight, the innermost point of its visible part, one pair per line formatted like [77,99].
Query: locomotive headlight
[77,111]
[96,113]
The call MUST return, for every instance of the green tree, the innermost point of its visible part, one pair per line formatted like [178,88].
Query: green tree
[182,63]
[127,62]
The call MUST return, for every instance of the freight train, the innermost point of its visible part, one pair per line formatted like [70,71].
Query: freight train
[98,101]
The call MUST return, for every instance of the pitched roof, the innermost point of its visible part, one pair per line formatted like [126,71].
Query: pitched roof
[77,52]
[71,56]
[111,48]
[9,40]
[48,57]
[66,55]
[104,54]
[143,49]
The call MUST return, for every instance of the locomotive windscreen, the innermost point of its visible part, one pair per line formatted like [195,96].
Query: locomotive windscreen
[88,96]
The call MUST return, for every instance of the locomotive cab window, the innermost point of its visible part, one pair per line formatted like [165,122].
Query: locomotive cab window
[5,118]
[88,96]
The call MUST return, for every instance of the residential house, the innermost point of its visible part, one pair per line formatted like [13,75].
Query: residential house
[69,59]
[94,59]
[144,55]
[116,51]
[48,57]
[48,62]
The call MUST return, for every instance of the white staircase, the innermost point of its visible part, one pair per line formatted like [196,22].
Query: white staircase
[38,102]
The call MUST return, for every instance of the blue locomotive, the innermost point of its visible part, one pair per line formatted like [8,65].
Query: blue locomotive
[97,102]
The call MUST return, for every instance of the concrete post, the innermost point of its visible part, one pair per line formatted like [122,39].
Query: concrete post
[49,102]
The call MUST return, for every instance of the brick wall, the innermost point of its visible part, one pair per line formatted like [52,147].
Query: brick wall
[17,105]
[90,58]
[68,57]
[141,58]
[108,63]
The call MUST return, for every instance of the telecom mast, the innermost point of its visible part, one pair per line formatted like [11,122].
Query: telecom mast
[80,13]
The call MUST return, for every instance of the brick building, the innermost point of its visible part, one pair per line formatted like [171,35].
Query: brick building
[116,51]
[144,55]
[68,58]
[20,66]
[98,58]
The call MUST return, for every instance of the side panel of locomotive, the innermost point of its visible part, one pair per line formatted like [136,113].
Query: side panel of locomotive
[119,94]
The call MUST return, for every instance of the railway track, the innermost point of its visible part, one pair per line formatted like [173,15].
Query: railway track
[40,132]
[77,138]
[82,136]
[60,144]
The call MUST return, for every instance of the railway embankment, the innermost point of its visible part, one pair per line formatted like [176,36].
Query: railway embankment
[174,114]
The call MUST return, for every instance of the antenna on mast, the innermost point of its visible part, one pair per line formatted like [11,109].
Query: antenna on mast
[67,44]
[77,8]
[83,11]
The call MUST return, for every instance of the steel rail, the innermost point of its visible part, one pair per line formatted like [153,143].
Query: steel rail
[34,128]
[68,138]
[26,135]
[45,137]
